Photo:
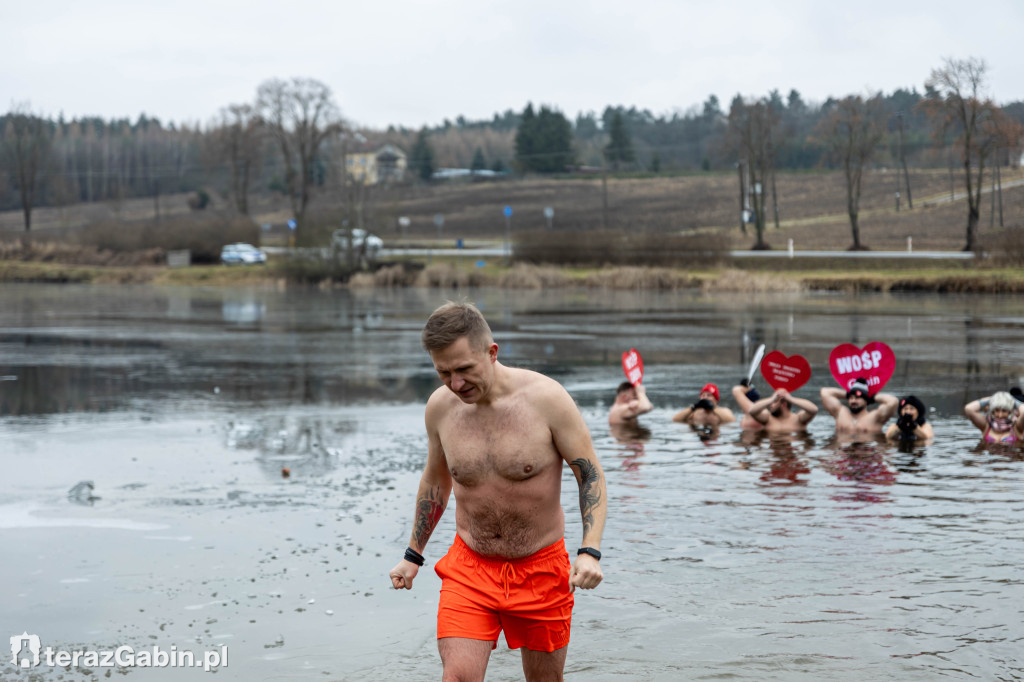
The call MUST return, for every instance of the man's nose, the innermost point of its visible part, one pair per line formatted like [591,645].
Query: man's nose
[457,382]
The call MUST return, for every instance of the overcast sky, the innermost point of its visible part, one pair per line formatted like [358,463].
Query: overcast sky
[414,63]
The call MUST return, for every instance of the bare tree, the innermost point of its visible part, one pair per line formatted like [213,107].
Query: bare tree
[300,115]
[27,142]
[852,130]
[958,105]
[237,141]
[751,126]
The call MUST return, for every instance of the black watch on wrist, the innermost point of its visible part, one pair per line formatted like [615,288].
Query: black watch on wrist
[589,550]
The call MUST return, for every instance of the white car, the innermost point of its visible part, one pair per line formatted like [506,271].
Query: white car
[374,244]
[242,254]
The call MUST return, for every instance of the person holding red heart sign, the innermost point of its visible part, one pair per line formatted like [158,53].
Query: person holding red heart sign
[630,402]
[854,418]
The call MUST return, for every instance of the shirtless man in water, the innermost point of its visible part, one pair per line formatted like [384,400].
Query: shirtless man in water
[498,437]
[774,414]
[630,402]
[854,418]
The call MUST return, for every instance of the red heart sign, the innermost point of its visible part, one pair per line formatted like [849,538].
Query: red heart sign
[781,372]
[633,366]
[874,362]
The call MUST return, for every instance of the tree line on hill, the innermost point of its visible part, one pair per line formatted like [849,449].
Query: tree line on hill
[292,139]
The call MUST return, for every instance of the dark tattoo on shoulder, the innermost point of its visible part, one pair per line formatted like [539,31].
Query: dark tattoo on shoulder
[590,491]
[428,512]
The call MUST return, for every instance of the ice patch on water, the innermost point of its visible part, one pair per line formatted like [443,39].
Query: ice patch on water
[24,516]
[199,607]
[178,538]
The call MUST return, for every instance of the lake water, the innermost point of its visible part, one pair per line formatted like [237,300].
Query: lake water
[726,557]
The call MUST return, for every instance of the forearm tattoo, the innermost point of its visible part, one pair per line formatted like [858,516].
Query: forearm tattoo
[428,512]
[590,491]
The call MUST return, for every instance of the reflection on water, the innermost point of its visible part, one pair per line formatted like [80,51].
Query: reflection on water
[733,554]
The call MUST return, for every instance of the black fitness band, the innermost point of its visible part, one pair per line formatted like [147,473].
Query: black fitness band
[412,556]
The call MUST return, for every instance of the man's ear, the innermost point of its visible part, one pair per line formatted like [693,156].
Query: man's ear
[492,352]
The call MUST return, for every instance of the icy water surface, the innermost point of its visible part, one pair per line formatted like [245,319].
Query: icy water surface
[726,557]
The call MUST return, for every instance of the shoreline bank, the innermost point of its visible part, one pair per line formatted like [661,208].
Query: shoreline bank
[934,279]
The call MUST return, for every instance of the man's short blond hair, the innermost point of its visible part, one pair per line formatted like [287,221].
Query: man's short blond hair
[451,322]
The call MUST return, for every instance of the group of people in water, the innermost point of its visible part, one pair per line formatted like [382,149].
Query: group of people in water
[1000,416]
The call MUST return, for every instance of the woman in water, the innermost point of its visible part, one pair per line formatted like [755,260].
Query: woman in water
[998,417]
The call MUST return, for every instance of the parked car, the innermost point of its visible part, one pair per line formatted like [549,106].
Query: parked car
[242,254]
[374,244]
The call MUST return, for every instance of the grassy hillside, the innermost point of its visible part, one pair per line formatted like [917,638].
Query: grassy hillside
[812,209]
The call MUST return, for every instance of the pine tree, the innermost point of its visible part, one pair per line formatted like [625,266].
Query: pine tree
[620,146]
[478,163]
[421,158]
[543,141]
[525,134]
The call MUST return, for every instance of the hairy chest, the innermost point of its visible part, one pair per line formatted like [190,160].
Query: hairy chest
[510,443]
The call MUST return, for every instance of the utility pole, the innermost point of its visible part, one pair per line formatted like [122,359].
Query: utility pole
[775,196]
[775,200]
[952,191]
[743,195]
[992,209]
[999,182]
[604,191]
[903,162]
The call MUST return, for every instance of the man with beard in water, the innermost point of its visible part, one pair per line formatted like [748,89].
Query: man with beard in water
[854,419]
[498,437]
[775,413]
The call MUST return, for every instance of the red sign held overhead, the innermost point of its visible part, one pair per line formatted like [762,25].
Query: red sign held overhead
[789,373]
[875,362]
[633,366]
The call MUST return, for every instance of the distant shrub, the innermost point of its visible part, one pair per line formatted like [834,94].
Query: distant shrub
[616,247]
[73,254]
[632,277]
[446,276]
[199,201]
[741,281]
[312,270]
[1005,249]
[523,276]
[203,235]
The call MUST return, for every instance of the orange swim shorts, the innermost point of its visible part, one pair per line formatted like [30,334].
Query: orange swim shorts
[528,598]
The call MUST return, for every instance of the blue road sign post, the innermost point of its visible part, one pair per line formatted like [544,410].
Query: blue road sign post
[292,225]
[508,235]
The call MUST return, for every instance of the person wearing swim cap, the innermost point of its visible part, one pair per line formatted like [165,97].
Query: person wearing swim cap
[999,417]
[854,418]
[706,411]
[912,424]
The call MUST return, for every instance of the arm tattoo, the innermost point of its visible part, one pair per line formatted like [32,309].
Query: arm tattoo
[590,491]
[428,512]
